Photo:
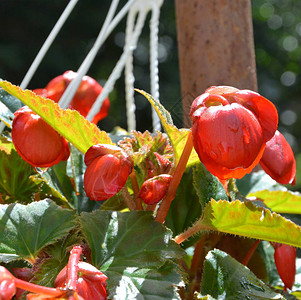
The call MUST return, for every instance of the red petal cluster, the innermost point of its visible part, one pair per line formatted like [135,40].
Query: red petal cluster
[84,98]
[285,260]
[278,160]
[231,128]
[154,189]
[108,168]
[91,283]
[36,141]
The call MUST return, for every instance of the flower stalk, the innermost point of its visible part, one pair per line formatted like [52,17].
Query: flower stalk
[175,181]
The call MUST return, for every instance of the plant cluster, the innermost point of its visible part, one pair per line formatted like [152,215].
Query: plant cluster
[174,215]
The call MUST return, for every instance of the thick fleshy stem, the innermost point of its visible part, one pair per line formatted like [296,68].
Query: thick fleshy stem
[191,231]
[127,198]
[38,289]
[135,187]
[175,181]
[72,269]
[250,253]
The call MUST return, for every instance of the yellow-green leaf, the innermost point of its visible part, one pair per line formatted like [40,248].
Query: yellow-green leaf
[69,123]
[246,219]
[177,136]
[280,201]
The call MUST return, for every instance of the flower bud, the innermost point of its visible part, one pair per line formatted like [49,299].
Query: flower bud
[154,189]
[285,260]
[7,284]
[36,141]
[278,160]
[108,168]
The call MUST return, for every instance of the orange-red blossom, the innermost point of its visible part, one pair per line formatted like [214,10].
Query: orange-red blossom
[231,128]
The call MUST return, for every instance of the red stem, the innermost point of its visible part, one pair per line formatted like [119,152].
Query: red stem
[135,187]
[38,289]
[175,181]
[197,256]
[72,268]
[250,253]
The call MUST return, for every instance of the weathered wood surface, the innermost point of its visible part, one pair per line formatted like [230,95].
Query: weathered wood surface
[216,46]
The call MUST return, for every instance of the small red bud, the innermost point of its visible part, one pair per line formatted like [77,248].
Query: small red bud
[36,141]
[154,189]
[108,168]
[285,260]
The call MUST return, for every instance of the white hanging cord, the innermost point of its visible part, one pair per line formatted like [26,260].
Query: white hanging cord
[73,86]
[129,73]
[47,43]
[128,49]
[90,57]
[154,69]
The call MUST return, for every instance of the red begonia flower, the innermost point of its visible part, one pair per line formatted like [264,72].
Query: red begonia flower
[154,189]
[108,168]
[285,260]
[230,129]
[278,160]
[84,97]
[36,141]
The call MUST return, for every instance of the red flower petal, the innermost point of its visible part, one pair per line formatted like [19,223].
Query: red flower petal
[36,141]
[285,260]
[228,140]
[106,174]
[278,160]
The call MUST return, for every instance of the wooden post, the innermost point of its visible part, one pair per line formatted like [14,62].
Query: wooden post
[216,47]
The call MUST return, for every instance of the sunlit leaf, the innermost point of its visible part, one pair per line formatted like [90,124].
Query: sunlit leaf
[177,136]
[225,278]
[26,229]
[246,219]
[280,201]
[69,123]
[135,252]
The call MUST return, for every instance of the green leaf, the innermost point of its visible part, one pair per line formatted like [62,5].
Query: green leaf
[69,123]
[185,209]
[207,186]
[135,252]
[280,201]
[258,181]
[53,186]
[16,175]
[246,219]
[76,169]
[225,278]
[53,259]
[8,105]
[26,229]
[177,136]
